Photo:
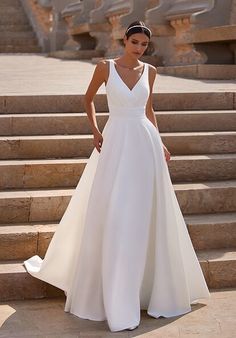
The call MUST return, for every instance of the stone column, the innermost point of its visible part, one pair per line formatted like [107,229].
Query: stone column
[163,32]
[100,27]
[114,14]
[59,30]
[68,14]
[77,16]
[121,14]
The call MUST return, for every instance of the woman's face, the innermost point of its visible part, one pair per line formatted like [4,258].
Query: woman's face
[136,44]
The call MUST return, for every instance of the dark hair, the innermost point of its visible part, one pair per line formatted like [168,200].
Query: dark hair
[138,27]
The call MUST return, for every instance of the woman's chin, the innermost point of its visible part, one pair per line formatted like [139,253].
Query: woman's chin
[136,56]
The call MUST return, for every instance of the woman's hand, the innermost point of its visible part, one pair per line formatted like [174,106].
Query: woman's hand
[97,140]
[167,153]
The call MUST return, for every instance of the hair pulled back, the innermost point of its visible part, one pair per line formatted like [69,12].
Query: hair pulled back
[138,27]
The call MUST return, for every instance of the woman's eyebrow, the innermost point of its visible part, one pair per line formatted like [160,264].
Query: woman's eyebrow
[138,41]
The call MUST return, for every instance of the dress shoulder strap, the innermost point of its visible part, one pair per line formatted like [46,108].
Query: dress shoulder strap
[146,70]
[111,65]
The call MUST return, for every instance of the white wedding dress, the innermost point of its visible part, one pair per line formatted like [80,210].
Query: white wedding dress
[122,244]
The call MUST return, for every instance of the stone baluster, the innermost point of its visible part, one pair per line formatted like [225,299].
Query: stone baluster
[77,17]
[114,14]
[155,18]
[162,32]
[170,22]
[68,13]
[59,30]
[180,18]
[137,12]
[187,18]
[100,28]
[120,15]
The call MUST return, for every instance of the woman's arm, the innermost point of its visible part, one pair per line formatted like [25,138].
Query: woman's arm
[149,106]
[99,76]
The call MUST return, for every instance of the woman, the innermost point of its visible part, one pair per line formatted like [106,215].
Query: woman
[122,244]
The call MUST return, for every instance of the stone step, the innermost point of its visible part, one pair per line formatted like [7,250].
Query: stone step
[76,54]
[64,173]
[17,35]
[55,146]
[201,71]
[201,228]
[18,206]
[206,197]
[17,18]
[218,266]
[184,143]
[16,284]
[31,174]
[8,11]
[8,3]
[67,146]
[49,205]
[18,42]
[77,123]
[74,103]
[15,28]
[20,49]
[21,241]
[207,120]
[197,168]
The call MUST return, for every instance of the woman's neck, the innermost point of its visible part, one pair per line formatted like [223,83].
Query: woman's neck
[128,62]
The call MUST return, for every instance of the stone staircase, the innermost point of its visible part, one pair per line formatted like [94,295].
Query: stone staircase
[16,34]
[44,146]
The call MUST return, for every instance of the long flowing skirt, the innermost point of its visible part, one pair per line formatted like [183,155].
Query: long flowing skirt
[122,244]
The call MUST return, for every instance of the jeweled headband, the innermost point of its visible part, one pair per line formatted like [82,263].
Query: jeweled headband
[142,29]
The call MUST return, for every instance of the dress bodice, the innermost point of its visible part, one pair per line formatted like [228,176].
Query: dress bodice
[122,100]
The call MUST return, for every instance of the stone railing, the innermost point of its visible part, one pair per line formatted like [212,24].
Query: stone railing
[162,32]
[206,35]
[182,17]
[39,13]
[77,16]
[114,14]
[120,15]
[100,27]
[192,32]
[155,18]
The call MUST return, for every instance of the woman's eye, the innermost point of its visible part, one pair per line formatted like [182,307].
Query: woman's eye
[134,42]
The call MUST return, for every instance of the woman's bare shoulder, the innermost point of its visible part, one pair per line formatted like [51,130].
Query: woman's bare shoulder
[103,67]
[103,64]
[152,69]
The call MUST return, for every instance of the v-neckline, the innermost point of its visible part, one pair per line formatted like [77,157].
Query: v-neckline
[124,81]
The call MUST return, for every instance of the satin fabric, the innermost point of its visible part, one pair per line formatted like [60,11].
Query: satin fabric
[122,244]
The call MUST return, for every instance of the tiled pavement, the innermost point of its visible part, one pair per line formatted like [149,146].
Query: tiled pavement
[211,318]
[37,74]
